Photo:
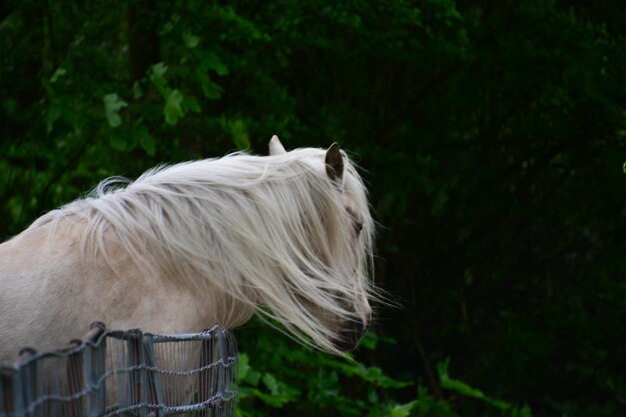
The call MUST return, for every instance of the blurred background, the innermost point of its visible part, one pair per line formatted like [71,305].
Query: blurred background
[491,134]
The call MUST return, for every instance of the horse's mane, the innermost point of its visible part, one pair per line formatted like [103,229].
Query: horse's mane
[269,231]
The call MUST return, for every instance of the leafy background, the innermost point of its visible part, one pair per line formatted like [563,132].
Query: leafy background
[491,134]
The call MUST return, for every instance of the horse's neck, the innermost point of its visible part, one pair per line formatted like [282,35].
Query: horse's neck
[50,293]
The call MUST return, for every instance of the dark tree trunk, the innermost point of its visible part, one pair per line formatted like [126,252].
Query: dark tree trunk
[143,42]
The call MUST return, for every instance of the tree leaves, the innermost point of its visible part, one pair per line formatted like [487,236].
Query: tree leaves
[112,106]
[173,109]
[209,88]
[468,391]
[240,135]
[190,40]
[402,410]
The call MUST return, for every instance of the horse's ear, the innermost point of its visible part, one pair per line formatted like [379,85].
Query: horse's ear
[276,148]
[334,162]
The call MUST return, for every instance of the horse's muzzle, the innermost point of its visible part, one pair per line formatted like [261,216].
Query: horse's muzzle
[350,335]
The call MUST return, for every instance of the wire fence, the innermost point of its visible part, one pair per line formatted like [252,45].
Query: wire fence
[125,373]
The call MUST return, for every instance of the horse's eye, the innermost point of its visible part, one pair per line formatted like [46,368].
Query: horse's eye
[358,227]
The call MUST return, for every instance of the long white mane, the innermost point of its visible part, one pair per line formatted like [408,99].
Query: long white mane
[272,232]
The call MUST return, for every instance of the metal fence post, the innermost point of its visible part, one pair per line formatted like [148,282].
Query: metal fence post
[75,380]
[205,382]
[95,364]
[28,378]
[134,359]
[6,392]
[151,380]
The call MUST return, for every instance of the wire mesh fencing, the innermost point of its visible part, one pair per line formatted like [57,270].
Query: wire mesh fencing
[125,373]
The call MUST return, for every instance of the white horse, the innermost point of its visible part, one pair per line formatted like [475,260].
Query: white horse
[195,244]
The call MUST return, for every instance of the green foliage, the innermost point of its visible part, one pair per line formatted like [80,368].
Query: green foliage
[282,377]
[112,106]
[467,391]
[490,132]
[298,381]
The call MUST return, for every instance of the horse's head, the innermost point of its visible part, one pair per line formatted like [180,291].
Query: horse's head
[336,298]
